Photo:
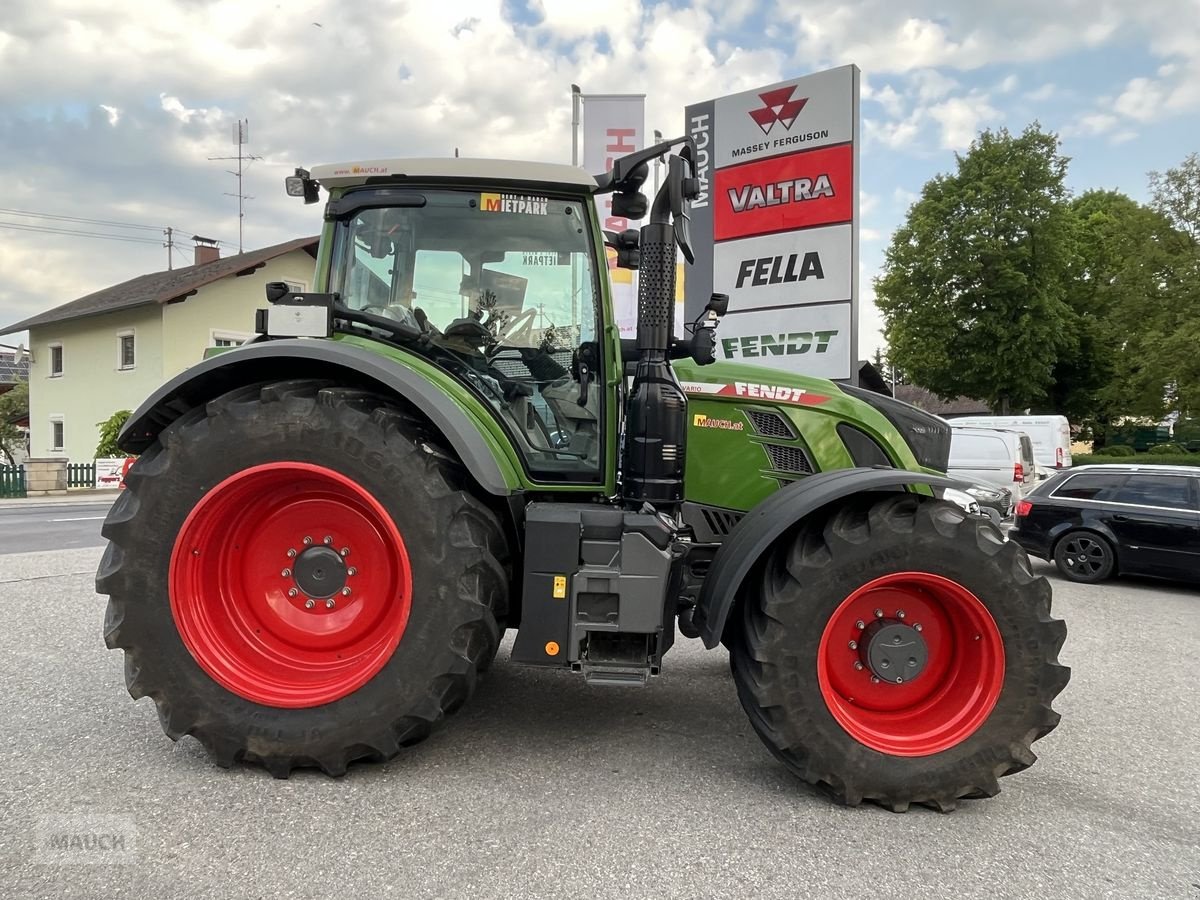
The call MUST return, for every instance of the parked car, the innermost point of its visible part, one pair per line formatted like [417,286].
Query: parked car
[992,456]
[1050,435]
[994,501]
[1096,521]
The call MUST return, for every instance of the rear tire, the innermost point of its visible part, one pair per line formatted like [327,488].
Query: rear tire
[967,718]
[1084,557]
[373,670]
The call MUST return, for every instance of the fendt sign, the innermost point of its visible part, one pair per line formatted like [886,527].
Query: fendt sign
[776,224]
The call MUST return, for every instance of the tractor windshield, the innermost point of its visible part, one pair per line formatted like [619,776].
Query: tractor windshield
[504,288]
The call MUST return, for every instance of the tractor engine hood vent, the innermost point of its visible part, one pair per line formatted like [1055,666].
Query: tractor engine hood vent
[927,436]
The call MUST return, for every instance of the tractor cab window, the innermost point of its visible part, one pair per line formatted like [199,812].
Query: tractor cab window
[503,287]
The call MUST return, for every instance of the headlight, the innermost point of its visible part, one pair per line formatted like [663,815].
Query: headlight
[984,493]
[961,499]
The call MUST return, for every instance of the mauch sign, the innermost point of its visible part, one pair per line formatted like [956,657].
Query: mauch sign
[614,125]
[776,222]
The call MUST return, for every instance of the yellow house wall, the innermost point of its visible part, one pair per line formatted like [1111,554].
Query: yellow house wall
[168,339]
[226,306]
[92,386]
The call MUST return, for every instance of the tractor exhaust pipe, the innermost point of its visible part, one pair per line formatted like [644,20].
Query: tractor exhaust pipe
[656,412]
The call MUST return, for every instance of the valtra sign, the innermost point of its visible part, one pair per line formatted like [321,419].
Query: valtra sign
[776,224]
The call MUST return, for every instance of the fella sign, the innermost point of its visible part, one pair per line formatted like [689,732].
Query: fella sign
[776,224]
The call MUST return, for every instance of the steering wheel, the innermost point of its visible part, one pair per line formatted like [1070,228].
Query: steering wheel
[519,329]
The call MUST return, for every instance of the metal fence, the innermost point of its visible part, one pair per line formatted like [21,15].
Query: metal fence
[12,481]
[81,475]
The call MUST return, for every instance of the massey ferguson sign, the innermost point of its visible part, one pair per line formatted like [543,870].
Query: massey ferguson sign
[776,224]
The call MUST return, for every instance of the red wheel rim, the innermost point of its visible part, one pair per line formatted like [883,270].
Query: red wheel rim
[290,584]
[954,692]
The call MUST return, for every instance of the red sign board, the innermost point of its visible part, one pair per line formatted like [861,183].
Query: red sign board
[784,193]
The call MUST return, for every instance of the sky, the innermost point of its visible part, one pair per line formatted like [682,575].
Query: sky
[111,112]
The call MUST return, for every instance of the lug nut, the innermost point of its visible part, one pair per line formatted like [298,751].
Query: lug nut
[286,572]
[899,614]
[899,680]
[329,604]
[310,603]
[345,592]
[879,613]
[917,626]
[292,592]
[329,538]
[857,666]
[345,551]
[859,625]
[307,540]
[291,553]
[854,645]
[874,679]
[352,571]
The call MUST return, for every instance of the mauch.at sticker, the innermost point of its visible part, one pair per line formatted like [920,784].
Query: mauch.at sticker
[699,420]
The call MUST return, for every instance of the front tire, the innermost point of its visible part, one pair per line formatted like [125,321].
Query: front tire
[298,578]
[909,586]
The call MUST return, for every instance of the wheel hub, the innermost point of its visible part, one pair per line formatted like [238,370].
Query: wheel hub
[894,651]
[319,572]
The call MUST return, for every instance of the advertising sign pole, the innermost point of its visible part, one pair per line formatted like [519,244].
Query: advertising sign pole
[776,223]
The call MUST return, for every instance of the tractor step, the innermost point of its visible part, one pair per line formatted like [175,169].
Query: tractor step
[614,676]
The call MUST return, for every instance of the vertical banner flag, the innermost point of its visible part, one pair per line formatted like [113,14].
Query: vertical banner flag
[614,125]
[776,224]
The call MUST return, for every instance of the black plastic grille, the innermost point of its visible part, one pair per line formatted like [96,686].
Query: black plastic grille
[721,521]
[788,459]
[770,424]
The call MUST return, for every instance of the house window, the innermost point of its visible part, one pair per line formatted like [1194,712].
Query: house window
[227,338]
[126,356]
[56,360]
[296,287]
[56,433]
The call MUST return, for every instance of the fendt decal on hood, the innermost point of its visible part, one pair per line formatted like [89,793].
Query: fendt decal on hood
[756,391]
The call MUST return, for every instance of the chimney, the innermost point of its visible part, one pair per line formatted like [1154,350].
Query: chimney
[206,250]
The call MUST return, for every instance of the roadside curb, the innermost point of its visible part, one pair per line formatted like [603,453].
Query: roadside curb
[89,496]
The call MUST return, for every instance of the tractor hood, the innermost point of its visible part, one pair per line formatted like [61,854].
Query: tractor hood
[925,436]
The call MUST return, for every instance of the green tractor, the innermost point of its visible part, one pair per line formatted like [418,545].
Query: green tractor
[329,528]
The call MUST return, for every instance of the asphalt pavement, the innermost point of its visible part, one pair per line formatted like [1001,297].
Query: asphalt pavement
[32,525]
[544,787]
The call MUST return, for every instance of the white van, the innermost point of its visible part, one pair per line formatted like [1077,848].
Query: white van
[992,456]
[1051,435]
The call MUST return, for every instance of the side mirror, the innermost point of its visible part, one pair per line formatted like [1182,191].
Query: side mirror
[628,246]
[277,290]
[630,205]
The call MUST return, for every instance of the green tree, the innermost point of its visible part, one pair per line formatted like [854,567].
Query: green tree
[1172,363]
[1120,281]
[1176,194]
[974,282]
[14,405]
[110,428]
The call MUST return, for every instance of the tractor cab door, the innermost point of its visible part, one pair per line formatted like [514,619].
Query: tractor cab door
[505,290]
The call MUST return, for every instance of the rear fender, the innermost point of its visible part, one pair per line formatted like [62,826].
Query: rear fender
[760,528]
[338,360]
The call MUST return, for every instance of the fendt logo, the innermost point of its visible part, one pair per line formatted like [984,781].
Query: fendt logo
[778,106]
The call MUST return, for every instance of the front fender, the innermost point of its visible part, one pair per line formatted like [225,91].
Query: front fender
[760,528]
[340,360]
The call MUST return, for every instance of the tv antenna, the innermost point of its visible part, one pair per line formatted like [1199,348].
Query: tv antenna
[241,137]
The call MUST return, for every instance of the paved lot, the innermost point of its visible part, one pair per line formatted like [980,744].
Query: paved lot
[544,787]
[28,526]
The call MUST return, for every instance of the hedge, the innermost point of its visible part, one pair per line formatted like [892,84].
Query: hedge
[1142,459]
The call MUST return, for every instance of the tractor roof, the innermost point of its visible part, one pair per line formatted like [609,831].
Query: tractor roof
[476,171]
